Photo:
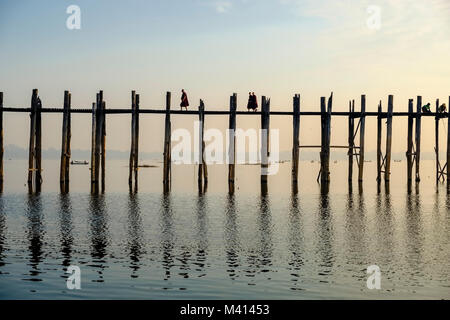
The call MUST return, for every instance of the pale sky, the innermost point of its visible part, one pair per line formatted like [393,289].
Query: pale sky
[213,48]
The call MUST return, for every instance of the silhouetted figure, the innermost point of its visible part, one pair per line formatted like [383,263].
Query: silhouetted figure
[184,100]
[443,108]
[252,102]
[426,108]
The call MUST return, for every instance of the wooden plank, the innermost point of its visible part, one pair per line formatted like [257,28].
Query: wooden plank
[387,172]
[418,135]
[232,142]
[167,145]
[295,137]
[361,138]
[409,152]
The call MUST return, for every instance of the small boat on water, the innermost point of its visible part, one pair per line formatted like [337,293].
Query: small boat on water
[80,162]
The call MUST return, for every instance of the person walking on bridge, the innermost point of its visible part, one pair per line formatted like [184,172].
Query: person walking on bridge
[184,100]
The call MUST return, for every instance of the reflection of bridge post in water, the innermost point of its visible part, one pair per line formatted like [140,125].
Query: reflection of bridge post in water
[202,235]
[356,245]
[415,234]
[384,230]
[325,237]
[232,241]
[65,227]
[296,245]
[35,232]
[167,236]
[3,230]
[261,256]
[135,241]
[99,232]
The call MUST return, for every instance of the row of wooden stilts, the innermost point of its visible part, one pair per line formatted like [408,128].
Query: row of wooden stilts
[98,143]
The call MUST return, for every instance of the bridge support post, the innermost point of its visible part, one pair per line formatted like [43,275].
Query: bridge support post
[351,143]
[379,137]
[232,143]
[409,153]
[436,134]
[295,138]
[387,172]
[361,138]
[326,133]
[265,141]
[1,142]
[167,146]
[202,168]
[65,147]
[418,134]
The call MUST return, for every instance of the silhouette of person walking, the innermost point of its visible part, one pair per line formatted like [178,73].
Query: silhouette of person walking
[184,100]
[252,102]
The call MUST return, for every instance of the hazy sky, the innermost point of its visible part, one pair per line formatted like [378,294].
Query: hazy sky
[213,48]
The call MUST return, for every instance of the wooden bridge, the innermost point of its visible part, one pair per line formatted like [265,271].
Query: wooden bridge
[355,151]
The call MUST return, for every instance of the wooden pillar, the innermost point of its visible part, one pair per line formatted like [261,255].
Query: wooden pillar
[38,144]
[448,146]
[93,143]
[265,135]
[409,152]
[326,133]
[103,144]
[436,133]
[98,138]
[351,143]
[31,146]
[63,167]
[323,126]
[387,171]
[133,142]
[232,142]
[379,135]
[69,139]
[1,142]
[296,138]
[361,138]
[167,146]
[418,133]
[136,144]
[202,168]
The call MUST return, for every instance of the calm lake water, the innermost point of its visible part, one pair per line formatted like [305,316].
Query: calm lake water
[187,245]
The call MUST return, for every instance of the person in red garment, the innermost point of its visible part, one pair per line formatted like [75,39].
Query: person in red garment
[184,100]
